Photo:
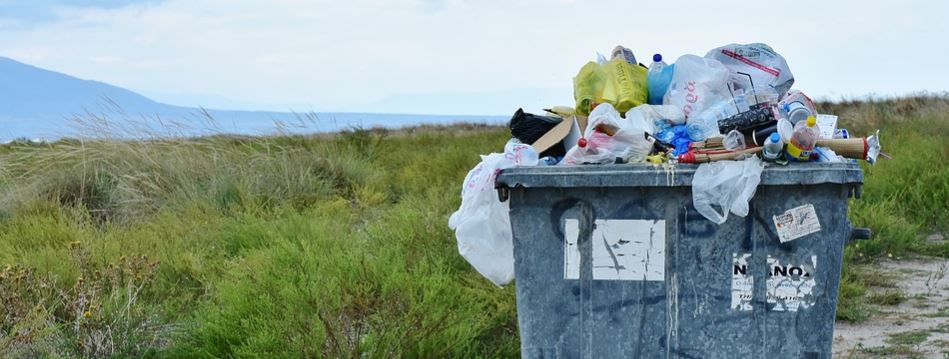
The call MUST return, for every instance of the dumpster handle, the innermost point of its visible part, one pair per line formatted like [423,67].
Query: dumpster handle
[860,233]
[856,191]
[504,192]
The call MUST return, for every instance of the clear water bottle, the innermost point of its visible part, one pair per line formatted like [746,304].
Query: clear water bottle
[803,140]
[773,147]
[658,78]
[796,112]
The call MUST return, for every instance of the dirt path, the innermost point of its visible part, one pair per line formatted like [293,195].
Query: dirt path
[916,327]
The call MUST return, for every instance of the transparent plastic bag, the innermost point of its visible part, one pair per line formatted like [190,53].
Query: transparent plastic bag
[598,150]
[609,137]
[727,185]
[482,224]
[766,67]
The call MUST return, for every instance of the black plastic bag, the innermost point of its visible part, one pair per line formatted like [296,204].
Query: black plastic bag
[528,128]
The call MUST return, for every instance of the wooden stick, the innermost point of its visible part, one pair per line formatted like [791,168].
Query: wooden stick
[693,157]
[732,155]
[847,147]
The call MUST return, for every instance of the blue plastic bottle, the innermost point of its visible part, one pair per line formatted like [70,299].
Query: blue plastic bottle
[658,77]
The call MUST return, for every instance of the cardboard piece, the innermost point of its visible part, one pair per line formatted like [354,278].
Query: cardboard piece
[827,124]
[567,131]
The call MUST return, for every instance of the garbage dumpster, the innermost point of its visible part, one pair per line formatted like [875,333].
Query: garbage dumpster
[614,262]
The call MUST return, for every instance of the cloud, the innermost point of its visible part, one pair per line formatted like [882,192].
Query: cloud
[321,54]
[47,10]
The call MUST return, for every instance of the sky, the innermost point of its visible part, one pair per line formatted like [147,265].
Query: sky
[484,57]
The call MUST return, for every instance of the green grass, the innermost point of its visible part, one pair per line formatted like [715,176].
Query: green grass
[894,351]
[888,297]
[909,338]
[324,246]
[330,245]
[903,344]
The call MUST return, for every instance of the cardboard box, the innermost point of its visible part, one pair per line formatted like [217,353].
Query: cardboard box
[566,132]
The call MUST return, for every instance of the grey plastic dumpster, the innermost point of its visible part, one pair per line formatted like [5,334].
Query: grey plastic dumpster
[615,262]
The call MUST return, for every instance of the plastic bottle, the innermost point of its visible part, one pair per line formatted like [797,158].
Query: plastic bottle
[734,141]
[658,78]
[773,147]
[797,112]
[803,140]
[796,106]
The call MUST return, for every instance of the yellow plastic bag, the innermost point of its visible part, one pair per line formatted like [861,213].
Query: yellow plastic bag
[618,82]
[588,87]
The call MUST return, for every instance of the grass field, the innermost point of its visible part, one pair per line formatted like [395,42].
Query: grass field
[326,246]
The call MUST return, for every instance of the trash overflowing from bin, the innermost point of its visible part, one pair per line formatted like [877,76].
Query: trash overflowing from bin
[732,111]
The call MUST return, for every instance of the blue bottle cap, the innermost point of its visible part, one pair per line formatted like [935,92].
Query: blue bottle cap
[656,58]
[775,137]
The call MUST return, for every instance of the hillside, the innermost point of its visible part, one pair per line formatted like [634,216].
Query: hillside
[35,102]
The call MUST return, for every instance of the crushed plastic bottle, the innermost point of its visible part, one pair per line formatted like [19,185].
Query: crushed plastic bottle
[549,161]
[734,141]
[803,140]
[773,147]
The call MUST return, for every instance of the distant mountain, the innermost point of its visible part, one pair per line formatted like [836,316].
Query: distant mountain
[40,103]
[31,92]
[496,102]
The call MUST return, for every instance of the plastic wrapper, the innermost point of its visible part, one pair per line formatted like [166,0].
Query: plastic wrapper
[725,186]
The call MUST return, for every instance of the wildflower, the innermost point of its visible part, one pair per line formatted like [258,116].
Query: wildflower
[87,314]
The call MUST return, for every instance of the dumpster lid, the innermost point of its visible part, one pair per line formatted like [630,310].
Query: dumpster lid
[648,175]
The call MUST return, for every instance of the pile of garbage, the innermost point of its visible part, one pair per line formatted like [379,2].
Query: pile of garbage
[731,111]
[733,103]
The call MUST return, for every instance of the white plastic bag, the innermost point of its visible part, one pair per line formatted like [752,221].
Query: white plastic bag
[645,116]
[628,142]
[482,224]
[766,67]
[697,84]
[729,185]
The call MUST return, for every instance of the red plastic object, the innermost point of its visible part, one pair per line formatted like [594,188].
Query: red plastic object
[688,157]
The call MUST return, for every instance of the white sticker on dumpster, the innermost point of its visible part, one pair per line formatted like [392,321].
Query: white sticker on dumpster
[743,284]
[623,249]
[796,223]
[571,251]
[790,286]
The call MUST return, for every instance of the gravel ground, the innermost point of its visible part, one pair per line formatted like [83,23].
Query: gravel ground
[918,327]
